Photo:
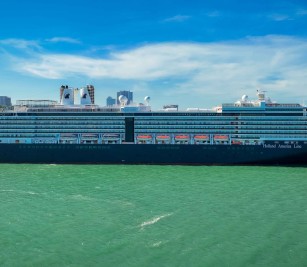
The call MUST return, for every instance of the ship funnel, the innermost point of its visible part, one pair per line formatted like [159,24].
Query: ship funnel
[85,97]
[67,97]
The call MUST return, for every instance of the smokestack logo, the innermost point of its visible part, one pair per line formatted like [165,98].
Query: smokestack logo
[66,96]
[84,96]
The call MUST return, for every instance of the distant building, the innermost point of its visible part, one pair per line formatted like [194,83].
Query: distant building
[91,91]
[127,94]
[110,101]
[5,101]
[171,107]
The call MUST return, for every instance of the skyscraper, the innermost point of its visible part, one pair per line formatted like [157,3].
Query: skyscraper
[127,94]
[91,91]
[5,101]
[110,101]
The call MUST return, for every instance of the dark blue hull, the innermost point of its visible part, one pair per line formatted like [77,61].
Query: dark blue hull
[269,154]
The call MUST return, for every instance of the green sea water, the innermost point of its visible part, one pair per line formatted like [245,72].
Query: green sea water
[120,215]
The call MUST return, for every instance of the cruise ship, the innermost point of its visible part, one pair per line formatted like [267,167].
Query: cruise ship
[253,132]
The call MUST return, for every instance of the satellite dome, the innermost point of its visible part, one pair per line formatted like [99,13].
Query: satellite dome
[123,99]
[147,98]
[244,98]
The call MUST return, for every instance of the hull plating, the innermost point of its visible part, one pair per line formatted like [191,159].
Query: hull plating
[154,154]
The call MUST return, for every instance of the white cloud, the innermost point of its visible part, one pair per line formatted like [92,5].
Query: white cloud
[63,40]
[302,12]
[144,63]
[20,43]
[177,18]
[291,14]
[279,17]
[184,70]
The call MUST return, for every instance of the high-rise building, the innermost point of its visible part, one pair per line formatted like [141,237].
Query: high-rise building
[127,94]
[110,101]
[91,91]
[5,101]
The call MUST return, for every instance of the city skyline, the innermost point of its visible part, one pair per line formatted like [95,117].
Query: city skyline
[192,53]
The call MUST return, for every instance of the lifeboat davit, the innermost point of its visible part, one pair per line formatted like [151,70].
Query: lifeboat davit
[111,136]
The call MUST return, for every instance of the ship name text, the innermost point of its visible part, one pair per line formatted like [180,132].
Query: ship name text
[282,146]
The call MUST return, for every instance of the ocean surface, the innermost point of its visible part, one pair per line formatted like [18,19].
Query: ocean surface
[119,215]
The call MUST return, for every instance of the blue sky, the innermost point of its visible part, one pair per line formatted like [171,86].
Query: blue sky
[192,53]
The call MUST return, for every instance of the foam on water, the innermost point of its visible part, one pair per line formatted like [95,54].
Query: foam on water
[154,220]
[20,192]
[157,244]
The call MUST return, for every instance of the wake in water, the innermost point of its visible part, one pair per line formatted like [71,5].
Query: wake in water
[154,220]
[20,191]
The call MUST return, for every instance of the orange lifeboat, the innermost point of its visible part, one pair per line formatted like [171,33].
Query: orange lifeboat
[144,137]
[183,137]
[163,137]
[201,137]
[221,137]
